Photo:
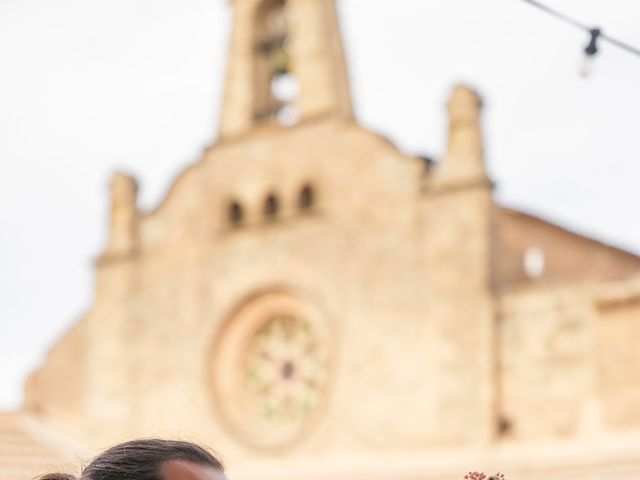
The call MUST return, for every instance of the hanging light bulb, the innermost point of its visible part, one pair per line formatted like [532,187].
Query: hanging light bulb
[590,52]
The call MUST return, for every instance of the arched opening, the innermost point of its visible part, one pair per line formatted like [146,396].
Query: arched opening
[235,214]
[533,262]
[271,207]
[275,87]
[306,198]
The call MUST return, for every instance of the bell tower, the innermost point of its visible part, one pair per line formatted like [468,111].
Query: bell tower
[286,65]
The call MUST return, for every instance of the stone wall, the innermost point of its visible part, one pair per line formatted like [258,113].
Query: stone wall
[569,366]
[618,355]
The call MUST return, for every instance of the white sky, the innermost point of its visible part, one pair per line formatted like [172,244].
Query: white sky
[91,86]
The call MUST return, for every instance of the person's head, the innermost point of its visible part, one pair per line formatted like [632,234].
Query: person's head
[151,459]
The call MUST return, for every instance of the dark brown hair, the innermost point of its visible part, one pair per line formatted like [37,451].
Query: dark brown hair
[141,460]
[57,476]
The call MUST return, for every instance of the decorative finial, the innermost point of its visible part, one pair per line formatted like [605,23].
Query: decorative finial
[464,160]
[123,235]
[464,106]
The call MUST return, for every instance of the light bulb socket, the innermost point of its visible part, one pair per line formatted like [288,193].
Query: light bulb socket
[592,47]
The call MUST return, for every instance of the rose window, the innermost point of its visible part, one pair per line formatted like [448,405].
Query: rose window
[271,369]
[284,370]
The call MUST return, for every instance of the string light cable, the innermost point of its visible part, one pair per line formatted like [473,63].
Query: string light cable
[595,34]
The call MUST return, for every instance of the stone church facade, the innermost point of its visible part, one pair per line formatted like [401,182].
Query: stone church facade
[313,303]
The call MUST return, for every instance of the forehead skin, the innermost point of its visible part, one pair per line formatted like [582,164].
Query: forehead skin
[181,470]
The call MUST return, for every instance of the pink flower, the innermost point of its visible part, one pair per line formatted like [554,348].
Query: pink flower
[475,476]
[482,476]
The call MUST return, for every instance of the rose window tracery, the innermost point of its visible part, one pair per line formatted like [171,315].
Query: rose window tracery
[284,370]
